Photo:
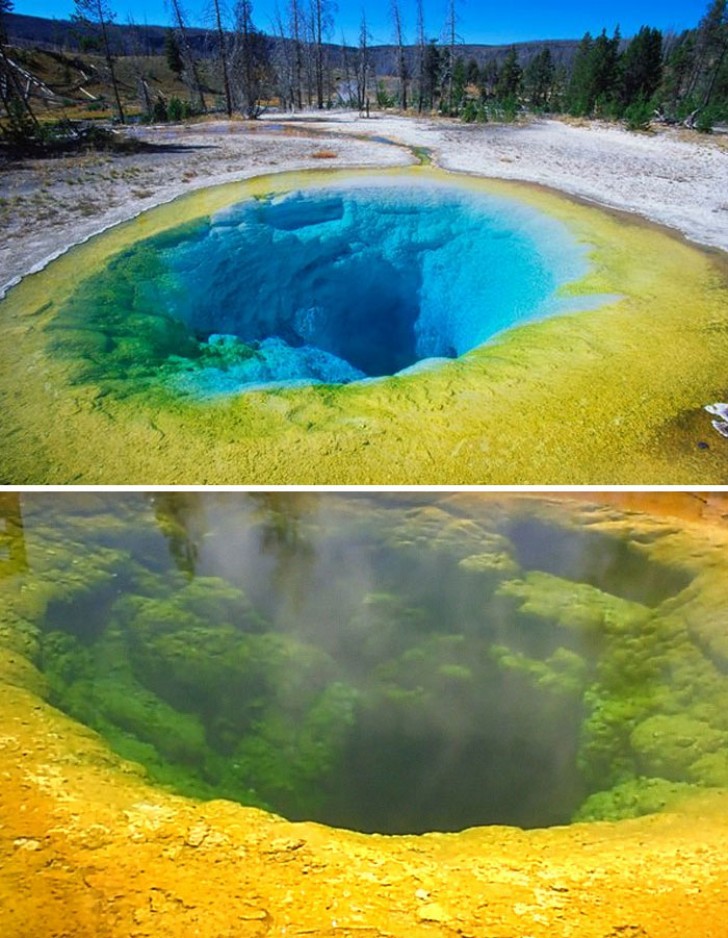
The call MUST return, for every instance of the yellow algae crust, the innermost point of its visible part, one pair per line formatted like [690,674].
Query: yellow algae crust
[89,849]
[608,396]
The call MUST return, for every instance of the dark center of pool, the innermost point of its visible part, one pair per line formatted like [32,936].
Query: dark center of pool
[333,285]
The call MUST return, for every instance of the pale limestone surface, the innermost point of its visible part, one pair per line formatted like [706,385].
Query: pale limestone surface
[670,177]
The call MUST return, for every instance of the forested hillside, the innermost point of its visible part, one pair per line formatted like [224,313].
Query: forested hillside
[94,66]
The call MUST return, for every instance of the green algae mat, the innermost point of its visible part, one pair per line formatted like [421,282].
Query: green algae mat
[387,663]
[96,389]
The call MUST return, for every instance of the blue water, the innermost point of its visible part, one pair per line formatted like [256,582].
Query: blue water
[358,281]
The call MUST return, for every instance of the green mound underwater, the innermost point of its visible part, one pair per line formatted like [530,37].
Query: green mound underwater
[386,663]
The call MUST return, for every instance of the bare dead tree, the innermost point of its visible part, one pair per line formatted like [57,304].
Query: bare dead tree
[97,16]
[139,49]
[363,64]
[421,56]
[284,63]
[251,72]
[191,70]
[296,32]
[321,22]
[346,71]
[223,53]
[402,71]
[451,38]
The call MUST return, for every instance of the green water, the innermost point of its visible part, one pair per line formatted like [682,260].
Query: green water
[393,663]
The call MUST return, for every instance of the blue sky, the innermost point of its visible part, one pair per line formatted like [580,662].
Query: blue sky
[494,21]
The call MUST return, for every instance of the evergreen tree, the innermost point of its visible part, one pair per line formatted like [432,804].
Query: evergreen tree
[695,84]
[508,86]
[173,53]
[6,6]
[594,84]
[712,53]
[538,79]
[676,73]
[459,82]
[472,72]
[711,42]
[578,95]
[641,67]
[605,72]
[430,75]
[488,79]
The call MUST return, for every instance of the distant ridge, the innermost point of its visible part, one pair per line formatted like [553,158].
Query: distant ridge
[149,40]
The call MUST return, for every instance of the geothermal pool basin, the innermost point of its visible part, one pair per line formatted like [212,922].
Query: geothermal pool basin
[333,284]
[373,327]
[379,663]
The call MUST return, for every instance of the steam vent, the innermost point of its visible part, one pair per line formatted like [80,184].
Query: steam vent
[255,714]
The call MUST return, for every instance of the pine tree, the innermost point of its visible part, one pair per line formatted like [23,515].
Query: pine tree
[605,72]
[594,84]
[711,51]
[695,84]
[579,100]
[509,80]
[641,67]
[538,79]
[459,83]
[173,54]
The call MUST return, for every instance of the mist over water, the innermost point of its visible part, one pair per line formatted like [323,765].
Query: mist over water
[350,282]
[384,663]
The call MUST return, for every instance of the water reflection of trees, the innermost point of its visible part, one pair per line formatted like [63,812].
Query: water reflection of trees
[13,557]
[281,517]
[181,519]
[279,520]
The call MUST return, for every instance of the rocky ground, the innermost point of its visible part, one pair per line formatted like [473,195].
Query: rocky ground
[671,177]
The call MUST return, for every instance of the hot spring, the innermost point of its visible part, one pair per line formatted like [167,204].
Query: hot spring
[367,327]
[354,280]
[383,663]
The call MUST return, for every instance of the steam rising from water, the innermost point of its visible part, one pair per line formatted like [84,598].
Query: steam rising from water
[382,663]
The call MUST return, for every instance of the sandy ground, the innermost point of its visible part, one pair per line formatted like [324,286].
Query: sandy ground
[675,179]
